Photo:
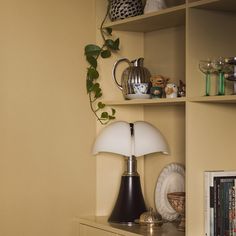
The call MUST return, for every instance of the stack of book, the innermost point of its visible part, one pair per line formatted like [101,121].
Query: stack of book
[220,217]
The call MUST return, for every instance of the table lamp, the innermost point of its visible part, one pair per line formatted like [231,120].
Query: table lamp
[130,140]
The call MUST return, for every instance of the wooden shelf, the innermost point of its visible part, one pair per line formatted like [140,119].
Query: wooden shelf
[161,101]
[100,222]
[166,18]
[173,101]
[215,99]
[220,5]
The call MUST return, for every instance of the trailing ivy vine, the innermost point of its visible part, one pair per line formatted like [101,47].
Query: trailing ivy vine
[93,53]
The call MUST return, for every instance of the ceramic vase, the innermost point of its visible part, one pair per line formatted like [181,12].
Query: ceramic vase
[121,9]
[154,5]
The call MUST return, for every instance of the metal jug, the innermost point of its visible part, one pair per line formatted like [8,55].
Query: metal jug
[136,73]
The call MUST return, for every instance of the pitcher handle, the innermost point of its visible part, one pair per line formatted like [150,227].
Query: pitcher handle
[114,70]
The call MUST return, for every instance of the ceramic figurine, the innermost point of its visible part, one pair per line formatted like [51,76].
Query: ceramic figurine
[181,89]
[171,90]
[154,5]
[156,92]
[158,85]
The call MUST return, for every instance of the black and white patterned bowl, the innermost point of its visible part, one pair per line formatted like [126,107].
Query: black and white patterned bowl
[121,9]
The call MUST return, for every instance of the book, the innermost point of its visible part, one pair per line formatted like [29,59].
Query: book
[222,207]
[212,193]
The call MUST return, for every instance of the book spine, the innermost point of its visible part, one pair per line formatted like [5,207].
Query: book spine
[207,203]
[224,206]
[231,211]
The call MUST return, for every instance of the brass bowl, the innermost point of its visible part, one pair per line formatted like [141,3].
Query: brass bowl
[177,201]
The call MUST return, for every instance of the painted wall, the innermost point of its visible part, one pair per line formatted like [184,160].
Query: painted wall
[47,173]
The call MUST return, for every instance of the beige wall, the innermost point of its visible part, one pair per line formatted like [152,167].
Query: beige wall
[47,174]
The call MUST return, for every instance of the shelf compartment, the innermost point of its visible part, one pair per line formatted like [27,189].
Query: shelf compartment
[161,101]
[220,5]
[215,99]
[166,18]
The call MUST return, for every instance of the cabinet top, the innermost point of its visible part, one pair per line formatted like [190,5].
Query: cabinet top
[100,222]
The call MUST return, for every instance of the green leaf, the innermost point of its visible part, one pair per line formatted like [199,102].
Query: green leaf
[98,93]
[104,115]
[89,85]
[109,43]
[101,105]
[113,111]
[96,87]
[114,45]
[117,44]
[92,61]
[109,30]
[92,73]
[111,117]
[105,53]
[92,50]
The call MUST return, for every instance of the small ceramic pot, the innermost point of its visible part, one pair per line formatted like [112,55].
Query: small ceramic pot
[141,88]
[154,5]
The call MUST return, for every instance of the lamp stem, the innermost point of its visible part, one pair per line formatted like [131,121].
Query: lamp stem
[130,166]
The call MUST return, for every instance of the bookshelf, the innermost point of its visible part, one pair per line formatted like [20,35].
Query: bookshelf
[200,131]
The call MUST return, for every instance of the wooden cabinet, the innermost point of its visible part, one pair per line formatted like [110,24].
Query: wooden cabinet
[201,131]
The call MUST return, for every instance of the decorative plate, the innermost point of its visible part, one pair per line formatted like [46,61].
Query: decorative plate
[138,96]
[171,179]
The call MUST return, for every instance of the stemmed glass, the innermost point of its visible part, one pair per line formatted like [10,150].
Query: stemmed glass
[221,67]
[232,75]
[205,66]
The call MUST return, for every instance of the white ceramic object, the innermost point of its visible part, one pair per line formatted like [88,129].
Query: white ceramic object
[154,5]
[171,179]
[140,88]
[171,90]
[137,96]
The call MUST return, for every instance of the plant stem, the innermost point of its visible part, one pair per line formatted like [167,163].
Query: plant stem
[93,93]
[101,26]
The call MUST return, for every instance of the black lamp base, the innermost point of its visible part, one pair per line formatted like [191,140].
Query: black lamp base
[130,202]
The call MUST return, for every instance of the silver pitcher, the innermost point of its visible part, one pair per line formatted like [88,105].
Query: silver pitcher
[136,73]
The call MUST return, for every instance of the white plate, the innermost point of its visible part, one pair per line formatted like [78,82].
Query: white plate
[171,179]
[138,96]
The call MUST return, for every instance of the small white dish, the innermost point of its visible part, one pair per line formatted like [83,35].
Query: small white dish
[171,179]
[137,96]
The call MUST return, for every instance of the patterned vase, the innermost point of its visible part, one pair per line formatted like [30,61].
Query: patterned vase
[121,9]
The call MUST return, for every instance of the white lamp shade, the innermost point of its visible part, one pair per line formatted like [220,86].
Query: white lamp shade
[148,139]
[114,138]
[117,138]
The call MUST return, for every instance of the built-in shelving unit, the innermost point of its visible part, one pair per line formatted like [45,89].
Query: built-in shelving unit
[200,130]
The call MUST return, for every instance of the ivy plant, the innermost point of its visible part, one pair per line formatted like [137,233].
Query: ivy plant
[93,53]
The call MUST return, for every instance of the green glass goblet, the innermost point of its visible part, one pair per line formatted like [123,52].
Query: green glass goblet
[205,66]
[221,68]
